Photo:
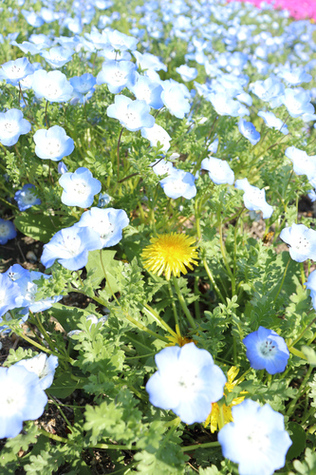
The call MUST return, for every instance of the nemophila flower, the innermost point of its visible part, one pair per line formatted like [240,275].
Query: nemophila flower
[28,299]
[149,61]
[62,168]
[133,115]
[218,170]
[187,382]
[157,135]
[53,143]
[14,71]
[9,294]
[270,90]
[107,223]
[170,254]
[145,89]
[57,56]
[104,200]
[7,231]
[311,285]
[254,198]
[297,102]
[32,18]
[12,125]
[79,188]
[44,367]
[294,76]
[21,399]
[301,241]
[273,122]
[26,198]
[117,75]
[83,87]
[266,350]
[175,97]
[53,86]
[162,167]
[70,247]
[249,131]
[222,414]
[256,440]
[120,41]
[187,74]
[224,105]
[303,164]
[179,184]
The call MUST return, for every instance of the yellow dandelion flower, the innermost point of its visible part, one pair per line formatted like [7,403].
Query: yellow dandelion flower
[222,414]
[171,254]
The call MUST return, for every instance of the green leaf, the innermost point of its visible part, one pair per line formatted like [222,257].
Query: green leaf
[308,466]
[40,227]
[310,355]
[298,438]
[96,273]
[64,385]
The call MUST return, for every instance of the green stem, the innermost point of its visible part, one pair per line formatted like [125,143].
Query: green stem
[173,305]
[210,276]
[223,251]
[155,316]
[302,334]
[291,407]
[196,302]
[183,303]
[118,154]
[207,445]
[282,282]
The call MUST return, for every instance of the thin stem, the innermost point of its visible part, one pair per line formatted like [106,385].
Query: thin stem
[46,117]
[183,303]
[210,276]
[302,387]
[282,282]
[302,334]
[207,445]
[196,302]
[118,154]
[153,314]
[223,251]
[173,305]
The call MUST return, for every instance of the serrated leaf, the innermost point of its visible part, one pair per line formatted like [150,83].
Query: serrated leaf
[111,266]
[310,355]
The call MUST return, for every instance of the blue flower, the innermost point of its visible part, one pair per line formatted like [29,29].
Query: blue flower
[28,299]
[53,86]
[179,183]
[44,367]
[218,170]
[57,56]
[311,285]
[21,399]
[104,200]
[26,198]
[266,350]
[224,105]
[301,241]
[272,121]
[71,247]
[14,71]
[149,61]
[148,90]
[248,130]
[9,294]
[133,115]
[53,144]
[12,125]
[79,188]
[157,135]
[303,164]
[256,440]
[254,198]
[187,74]
[187,382]
[117,75]
[7,231]
[175,97]
[107,223]
[297,102]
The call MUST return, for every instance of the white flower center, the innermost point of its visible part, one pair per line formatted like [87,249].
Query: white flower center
[4,229]
[9,128]
[267,349]
[301,245]
[53,147]
[12,399]
[80,187]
